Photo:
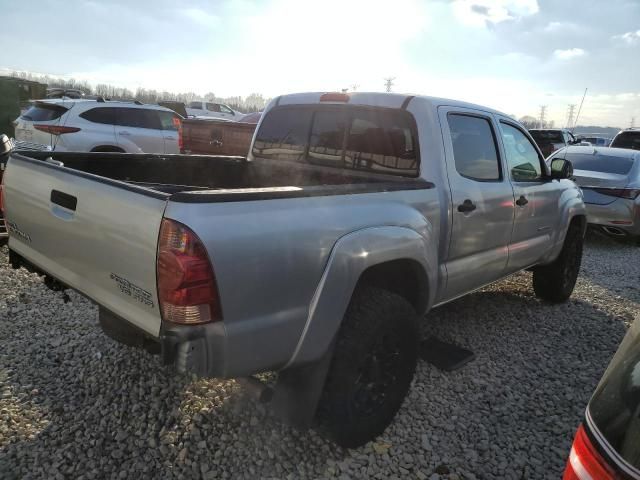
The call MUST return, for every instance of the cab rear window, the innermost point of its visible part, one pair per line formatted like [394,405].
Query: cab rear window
[546,136]
[43,112]
[374,139]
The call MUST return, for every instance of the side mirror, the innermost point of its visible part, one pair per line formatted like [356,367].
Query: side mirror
[561,169]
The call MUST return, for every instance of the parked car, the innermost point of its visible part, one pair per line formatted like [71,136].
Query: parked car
[629,138]
[65,93]
[610,181]
[211,109]
[607,444]
[594,140]
[314,257]
[211,137]
[549,139]
[98,126]
[6,146]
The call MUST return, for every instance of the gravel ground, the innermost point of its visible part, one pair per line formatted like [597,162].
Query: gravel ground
[74,404]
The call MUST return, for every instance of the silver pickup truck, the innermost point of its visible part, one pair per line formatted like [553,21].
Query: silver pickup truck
[316,256]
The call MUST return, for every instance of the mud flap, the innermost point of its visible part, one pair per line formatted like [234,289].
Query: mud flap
[298,391]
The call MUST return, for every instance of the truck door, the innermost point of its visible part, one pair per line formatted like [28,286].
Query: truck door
[536,198]
[481,201]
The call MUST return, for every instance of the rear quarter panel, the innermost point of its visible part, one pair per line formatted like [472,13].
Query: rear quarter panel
[269,257]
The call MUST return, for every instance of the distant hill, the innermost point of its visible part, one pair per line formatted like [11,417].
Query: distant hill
[608,132]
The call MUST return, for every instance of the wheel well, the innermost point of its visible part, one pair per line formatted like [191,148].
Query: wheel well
[579,221]
[403,277]
[107,148]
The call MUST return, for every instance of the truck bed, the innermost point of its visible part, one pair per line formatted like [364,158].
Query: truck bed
[209,178]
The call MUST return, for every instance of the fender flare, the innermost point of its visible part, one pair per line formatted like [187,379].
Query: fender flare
[351,255]
[571,205]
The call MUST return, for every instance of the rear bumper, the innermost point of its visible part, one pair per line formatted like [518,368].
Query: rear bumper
[198,349]
[621,214]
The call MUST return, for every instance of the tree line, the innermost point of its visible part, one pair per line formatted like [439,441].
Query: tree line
[252,103]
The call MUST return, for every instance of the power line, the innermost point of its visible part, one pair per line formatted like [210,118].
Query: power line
[388,83]
[579,110]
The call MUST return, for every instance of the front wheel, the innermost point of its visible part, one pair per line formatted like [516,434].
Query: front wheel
[555,282]
[374,360]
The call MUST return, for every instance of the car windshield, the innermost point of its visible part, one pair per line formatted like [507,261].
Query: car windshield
[547,136]
[600,163]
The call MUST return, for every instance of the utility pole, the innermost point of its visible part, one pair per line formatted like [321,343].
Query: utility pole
[388,83]
[570,113]
[354,87]
[543,113]
[633,122]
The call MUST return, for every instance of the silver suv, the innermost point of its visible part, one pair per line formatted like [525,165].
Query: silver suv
[98,126]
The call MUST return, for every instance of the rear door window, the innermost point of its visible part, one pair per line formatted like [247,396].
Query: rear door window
[600,163]
[361,138]
[138,118]
[522,157]
[105,115]
[225,109]
[627,140]
[196,105]
[213,107]
[474,147]
[44,112]
[382,140]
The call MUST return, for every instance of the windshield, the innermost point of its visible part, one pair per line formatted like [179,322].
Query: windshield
[601,163]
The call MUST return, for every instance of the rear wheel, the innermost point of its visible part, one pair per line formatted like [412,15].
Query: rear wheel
[555,282]
[373,364]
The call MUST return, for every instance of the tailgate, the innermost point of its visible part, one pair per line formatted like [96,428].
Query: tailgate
[96,235]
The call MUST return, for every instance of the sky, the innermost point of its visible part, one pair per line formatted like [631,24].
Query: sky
[512,55]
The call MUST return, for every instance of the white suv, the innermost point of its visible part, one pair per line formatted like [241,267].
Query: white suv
[199,108]
[98,126]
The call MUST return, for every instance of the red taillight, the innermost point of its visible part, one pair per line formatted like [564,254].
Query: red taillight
[187,289]
[628,193]
[585,463]
[56,129]
[334,97]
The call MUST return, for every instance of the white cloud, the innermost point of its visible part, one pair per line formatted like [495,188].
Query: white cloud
[479,12]
[553,27]
[200,17]
[569,53]
[630,38]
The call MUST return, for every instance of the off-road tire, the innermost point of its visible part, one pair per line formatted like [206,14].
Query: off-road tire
[374,360]
[555,282]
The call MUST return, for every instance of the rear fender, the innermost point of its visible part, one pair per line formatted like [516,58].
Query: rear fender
[352,255]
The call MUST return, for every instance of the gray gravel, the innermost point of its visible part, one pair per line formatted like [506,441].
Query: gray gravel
[74,404]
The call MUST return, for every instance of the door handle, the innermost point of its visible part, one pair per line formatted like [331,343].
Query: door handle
[125,133]
[522,201]
[64,200]
[466,206]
